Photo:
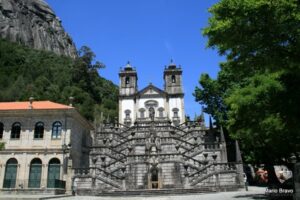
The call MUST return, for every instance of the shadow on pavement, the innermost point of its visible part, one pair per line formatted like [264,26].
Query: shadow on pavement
[251,196]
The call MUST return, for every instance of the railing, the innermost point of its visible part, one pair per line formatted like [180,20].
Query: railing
[116,150]
[101,175]
[213,169]
[59,184]
[82,171]
[216,166]
[34,184]
[89,171]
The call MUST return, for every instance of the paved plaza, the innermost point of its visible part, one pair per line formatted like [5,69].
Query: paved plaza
[256,193]
[253,193]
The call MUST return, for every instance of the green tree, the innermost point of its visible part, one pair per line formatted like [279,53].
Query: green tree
[25,72]
[256,93]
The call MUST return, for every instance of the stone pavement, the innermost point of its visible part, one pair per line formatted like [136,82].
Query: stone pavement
[30,197]
[256,193]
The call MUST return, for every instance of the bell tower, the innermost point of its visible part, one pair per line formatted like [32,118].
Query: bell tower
[173,79]
[173,87]
[127,90]
[128,81]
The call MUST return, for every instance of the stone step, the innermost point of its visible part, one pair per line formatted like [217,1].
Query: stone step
[152,192]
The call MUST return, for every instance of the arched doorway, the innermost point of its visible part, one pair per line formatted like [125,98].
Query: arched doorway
[10,173]
[53,172]
[154,178]
[35,173]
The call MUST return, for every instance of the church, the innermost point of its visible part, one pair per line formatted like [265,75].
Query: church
[151,102]
[152,147]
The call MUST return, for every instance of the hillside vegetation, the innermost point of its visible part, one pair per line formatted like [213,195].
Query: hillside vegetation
[26,72]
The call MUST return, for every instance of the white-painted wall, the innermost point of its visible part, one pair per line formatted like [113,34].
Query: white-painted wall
[127,104]
[141,104]
[176,102]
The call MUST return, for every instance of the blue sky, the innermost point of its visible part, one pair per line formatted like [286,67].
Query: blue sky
[148,33]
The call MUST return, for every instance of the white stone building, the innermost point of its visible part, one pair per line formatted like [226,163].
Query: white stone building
[43,141]
[137,104]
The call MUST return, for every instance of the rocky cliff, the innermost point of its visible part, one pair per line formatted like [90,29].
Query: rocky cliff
[33,23]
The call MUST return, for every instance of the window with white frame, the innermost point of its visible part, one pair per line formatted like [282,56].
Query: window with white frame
[56,130]
[161,112]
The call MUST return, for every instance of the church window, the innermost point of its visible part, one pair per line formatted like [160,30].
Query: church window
[173,79]
[15,131]
[56,130]
[127,80]
[1,130]
[142,113]
[151,103]
[175,112]
[127,114]
[39,130]
[161,112]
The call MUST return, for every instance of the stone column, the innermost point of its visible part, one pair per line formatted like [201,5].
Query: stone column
[123,183]
[186,175]
[217,179]
[186,180]
[44,176]
[2,173]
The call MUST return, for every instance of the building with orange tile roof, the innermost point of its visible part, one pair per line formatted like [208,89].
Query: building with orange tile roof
[43,141]
[37,105]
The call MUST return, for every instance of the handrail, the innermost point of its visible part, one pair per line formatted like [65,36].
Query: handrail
[211,164]
[199,179]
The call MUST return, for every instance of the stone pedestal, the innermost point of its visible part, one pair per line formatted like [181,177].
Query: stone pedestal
[186,181]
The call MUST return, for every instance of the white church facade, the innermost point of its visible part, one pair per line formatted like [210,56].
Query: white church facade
[151,101]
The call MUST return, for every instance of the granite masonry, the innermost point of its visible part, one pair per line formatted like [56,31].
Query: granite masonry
[152,147]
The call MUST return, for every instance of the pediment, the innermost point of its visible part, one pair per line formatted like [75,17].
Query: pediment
[151,90]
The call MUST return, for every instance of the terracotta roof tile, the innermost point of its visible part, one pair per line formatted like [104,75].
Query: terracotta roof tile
[25,105]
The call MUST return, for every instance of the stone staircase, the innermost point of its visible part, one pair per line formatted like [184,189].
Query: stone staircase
[118,149]
[109,182]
